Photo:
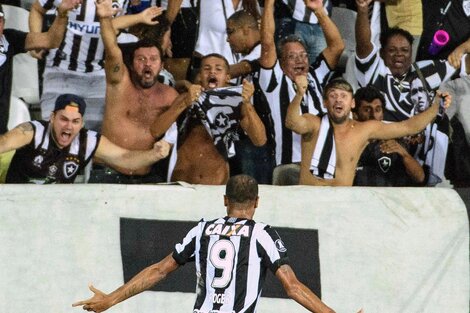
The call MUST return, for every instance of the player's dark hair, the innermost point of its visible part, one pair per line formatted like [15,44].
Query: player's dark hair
[241,189]
[241,18]
[286,40]
[395,31]
[216,55]
[147,43]
[368,94]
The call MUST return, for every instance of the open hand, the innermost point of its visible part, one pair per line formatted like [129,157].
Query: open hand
[104,8]
[148,15]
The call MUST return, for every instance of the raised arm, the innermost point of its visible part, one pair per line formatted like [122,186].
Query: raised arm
[299,292]
[250,121]
[116,156]
[334,42]
[16,138]
[142,281]
[363,33]
[53,37]
[147,16]
[114,64]
[411,126]
[455,56]
[268,47]
[183,101]
[173,9]
[305,123]
[35,20]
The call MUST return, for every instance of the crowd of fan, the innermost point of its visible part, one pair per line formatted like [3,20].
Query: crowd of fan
[198,91]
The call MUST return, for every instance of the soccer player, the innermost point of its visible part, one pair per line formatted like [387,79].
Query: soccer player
[231,252]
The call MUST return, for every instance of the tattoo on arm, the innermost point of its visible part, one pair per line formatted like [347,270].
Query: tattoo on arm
[116,68]
[25,127]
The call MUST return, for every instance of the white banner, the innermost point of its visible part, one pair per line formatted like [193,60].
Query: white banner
[383,249]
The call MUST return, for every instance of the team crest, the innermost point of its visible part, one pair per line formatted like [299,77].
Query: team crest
[280,246]
[38,161]
[466,7]
[70,168]
[385,163]
[221,120]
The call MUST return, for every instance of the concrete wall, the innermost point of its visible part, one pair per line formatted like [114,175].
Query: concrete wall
[383,249]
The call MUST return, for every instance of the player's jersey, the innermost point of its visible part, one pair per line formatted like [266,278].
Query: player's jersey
[43,162]
[82,49]
[280,91]
[398,103]
[231,257]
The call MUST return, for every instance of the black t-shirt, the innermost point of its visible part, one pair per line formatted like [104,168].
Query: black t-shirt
[456,22]
[380,169]
[12,42]
[43,162]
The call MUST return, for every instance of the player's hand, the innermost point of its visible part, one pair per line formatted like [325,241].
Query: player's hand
[392,146]
[98,303]
[162,149]
[148,15]
[38,53]
[247,91]
[194,92]
[455,56]
[301,84]
[444,96]
[104,8]
[67,5]
[314,5]
[363,4]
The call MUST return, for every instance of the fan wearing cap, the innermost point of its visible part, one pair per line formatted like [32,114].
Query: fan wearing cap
[55,151]
[13,41]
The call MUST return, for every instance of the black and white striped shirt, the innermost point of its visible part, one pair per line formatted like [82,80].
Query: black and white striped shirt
[82,49]
[280,91]
[399,106]
[231,257]
[43,162]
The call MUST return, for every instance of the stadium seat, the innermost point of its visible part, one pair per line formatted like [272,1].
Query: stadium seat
[345,20]
[25,83]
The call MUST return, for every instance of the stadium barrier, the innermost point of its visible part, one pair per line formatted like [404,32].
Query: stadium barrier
[383,249]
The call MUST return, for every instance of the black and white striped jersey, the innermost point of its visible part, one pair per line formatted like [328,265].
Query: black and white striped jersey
[82,49]
[399,105]
[280,91]
[231,256]
[43,162]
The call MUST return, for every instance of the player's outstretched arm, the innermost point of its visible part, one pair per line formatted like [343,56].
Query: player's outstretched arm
[301,293]
[148,277]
